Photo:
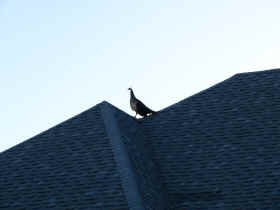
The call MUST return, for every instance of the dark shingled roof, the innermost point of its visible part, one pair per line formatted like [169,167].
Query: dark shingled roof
[218,149]
[70,166]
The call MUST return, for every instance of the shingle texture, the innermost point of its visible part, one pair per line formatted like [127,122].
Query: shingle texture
[144,166]
[218,149]
[70,166]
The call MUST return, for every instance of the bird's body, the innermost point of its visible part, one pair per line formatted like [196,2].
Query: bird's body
[137,106]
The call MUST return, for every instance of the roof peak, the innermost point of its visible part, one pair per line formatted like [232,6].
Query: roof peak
[107,104]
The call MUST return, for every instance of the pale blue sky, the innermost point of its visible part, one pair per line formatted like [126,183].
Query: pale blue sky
[60,57]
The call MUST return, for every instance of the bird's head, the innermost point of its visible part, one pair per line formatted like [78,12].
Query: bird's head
[131,91]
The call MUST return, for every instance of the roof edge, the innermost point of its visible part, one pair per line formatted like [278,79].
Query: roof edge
[200,92]
[56,125]
[219,83]
[257,72]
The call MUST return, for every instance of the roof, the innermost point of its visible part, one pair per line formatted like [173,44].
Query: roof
[218,149]
[70,166]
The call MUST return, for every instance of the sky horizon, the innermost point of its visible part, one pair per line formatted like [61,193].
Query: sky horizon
[59,58]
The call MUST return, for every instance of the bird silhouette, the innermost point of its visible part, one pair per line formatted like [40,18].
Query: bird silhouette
[137,106]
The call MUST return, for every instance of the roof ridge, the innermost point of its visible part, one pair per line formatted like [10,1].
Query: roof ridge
[219,83]
[258,72]
[138,171]
[198,93]
[57,125]
[105,103]
[125,168]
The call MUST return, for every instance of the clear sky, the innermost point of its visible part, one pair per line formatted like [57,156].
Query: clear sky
[59,58]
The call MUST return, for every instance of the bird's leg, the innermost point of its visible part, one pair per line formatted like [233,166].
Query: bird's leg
[135,114]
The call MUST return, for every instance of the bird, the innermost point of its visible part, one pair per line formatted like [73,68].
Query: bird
[137,106]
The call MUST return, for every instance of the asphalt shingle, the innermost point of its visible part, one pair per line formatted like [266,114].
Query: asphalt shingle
[218,149]
[70,166]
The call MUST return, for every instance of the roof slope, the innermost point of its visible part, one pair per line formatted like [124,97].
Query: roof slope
[70,166]
[96,160]
[219,149]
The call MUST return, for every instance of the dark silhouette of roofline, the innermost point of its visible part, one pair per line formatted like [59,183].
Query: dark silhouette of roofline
[201,152]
